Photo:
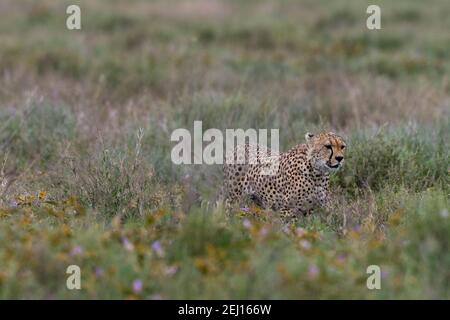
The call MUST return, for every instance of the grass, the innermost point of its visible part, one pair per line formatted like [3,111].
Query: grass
[85,170]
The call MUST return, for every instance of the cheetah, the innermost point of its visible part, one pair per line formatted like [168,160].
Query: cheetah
[293,183]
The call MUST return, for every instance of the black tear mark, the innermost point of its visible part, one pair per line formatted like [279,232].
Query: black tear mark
[331,156]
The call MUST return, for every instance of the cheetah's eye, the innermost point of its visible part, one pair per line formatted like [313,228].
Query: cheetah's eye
[328,146]
[342,147]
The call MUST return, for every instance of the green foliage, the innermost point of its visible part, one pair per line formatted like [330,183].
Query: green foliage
[117,182]
[36,133]
[203,256]
[409,156]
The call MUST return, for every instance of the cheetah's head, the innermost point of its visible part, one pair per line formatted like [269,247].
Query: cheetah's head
[326,150]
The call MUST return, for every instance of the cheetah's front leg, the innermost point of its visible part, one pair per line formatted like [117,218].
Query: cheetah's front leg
[325,203]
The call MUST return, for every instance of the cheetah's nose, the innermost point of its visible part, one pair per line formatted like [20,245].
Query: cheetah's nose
[339,158]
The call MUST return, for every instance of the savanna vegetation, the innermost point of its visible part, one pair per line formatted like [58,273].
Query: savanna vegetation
[85,172]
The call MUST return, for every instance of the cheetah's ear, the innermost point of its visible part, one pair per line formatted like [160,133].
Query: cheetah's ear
[308,136]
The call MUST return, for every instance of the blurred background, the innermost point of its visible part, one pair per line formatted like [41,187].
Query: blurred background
[160,65]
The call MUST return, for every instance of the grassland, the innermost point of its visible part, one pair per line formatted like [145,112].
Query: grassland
[86,176]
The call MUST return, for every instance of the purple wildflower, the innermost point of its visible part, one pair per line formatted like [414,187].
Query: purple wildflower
[247,224]
[127,244]
[313,270]
[13,204]
[137,286]
[77,250]
[156,246]
[99,271]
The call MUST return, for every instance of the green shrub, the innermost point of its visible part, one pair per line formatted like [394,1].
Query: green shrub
[36,135]
[117,181]
[415,157]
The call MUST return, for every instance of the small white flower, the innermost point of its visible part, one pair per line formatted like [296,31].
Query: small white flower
[286,229]
[305,244]
[247,224]
[264,231]
[300,231]
[171,270]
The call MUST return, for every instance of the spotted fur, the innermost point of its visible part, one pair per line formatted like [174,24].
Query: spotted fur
[294,182]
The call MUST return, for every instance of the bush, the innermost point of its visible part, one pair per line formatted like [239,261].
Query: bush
[415,157]
[117,182]
[36,135]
